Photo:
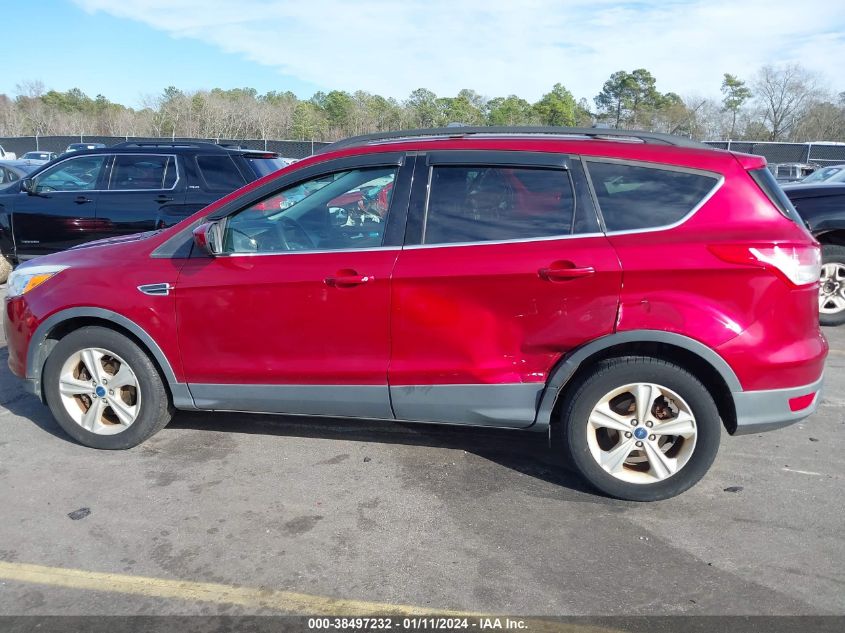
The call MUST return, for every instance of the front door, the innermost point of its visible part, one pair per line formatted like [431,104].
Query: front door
[510,272]
[61,212]
[294,317]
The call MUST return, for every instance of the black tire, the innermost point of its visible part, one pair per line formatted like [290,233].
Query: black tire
[155,408]
[612,373]
[833,254]
[5,269]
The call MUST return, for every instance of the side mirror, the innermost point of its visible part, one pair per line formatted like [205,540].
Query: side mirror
[28,185]
[208,238]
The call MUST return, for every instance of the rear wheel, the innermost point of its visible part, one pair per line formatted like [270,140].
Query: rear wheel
[104,390]
[832,285]
[640,429]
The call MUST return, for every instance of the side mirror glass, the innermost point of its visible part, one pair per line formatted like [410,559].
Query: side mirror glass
[208,238]
[28,185]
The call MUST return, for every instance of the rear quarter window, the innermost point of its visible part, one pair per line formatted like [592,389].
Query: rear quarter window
[634,197]
[220,173]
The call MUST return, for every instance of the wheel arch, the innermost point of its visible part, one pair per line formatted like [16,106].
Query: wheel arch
[62,323]
[705,364]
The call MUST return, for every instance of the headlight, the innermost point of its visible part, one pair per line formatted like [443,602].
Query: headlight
[25,279]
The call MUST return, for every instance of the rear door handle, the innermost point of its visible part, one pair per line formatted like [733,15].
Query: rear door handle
[82,200]
[554,273]
[346,279]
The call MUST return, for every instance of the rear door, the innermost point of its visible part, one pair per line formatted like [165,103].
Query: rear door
[208,178]
[62,211]
[505,271]
[140,188]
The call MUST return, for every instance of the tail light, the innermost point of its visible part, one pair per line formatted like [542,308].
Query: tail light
[800,264]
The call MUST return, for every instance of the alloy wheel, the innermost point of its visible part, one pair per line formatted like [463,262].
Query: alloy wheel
[641,433]
[99,391]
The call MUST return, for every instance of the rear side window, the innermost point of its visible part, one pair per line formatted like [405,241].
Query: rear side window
[220,173]
[483,204]
[633,198]
[766,181]
[136,172]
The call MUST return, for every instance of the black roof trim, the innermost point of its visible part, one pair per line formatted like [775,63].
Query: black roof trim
[172,144]
[460,132]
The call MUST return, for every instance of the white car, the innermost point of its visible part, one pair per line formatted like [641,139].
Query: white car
[4,155]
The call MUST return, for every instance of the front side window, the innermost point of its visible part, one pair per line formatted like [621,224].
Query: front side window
[342,210]
[134,172]
[633,197]
[75,174]
[485,203]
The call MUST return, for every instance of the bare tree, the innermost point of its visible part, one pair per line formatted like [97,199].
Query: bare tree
[784,94]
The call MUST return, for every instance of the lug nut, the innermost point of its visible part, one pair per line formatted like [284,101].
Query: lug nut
[652,437]
[627,434]
[105,382]
[111,392]
[649,424]
[106,400]
[634,423]
[639,443]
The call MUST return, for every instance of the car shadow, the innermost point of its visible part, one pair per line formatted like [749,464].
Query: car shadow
[524,452]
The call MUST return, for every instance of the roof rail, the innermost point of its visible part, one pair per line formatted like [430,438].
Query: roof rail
[196,144]
[460,132]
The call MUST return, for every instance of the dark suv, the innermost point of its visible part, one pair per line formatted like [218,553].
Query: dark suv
[627,293]
[119,190]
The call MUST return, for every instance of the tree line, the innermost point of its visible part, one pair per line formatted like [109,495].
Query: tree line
[783,103]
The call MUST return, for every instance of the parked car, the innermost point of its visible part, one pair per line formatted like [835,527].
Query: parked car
[489,293]
[75,147]
[115,191]
[831,173]
[822,207]
[13,170]
[39,157]
[791,172]
[4,155]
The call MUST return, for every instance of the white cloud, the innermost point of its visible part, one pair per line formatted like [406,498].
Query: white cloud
[497,47]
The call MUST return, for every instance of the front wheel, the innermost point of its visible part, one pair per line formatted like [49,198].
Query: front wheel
[640,429]
[103,390]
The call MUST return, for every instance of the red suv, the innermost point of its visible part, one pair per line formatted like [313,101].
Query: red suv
[628,293]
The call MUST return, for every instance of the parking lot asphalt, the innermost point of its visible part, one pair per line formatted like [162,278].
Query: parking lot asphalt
[266,514]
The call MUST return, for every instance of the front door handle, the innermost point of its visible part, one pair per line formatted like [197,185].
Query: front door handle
[558,272]
[347,278]
[82,200]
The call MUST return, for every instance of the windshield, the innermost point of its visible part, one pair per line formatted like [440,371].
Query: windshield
[825,173]
[264,166]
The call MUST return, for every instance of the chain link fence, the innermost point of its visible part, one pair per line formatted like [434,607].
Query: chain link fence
[820,154]
[288,149]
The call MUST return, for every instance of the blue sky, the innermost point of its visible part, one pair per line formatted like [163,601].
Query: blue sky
[127,49]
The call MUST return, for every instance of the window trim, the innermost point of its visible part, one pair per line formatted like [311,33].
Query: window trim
[719,178]
[180,244]
[470,158]
[111,167]
[383,247]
